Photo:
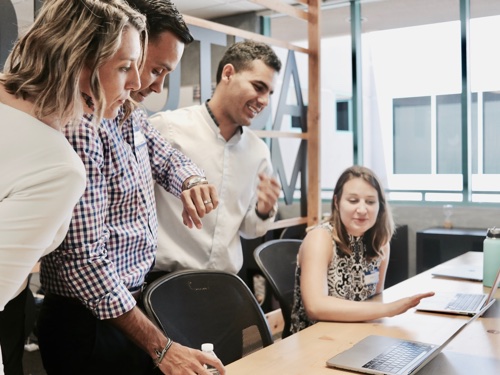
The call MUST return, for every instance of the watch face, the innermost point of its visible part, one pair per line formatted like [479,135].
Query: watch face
[265,216]
[193,181]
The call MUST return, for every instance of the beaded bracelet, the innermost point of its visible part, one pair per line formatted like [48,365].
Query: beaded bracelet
[161,355]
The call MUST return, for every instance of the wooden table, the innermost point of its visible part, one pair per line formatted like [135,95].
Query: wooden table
[476,350]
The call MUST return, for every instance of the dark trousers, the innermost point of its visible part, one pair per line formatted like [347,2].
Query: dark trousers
[12,334]
[73,341]
[154,275]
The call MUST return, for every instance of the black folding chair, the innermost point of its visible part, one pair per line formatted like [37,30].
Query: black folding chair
[196,307]
[277,260]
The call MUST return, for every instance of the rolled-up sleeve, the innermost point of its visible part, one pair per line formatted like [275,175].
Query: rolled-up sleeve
[170,166]
[81,267]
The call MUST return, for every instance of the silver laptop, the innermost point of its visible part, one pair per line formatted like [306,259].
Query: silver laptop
[392,356]
[458,303]
[462,271]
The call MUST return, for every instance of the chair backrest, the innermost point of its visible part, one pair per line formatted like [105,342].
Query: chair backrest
[297,232]
[198,306]
[277,260]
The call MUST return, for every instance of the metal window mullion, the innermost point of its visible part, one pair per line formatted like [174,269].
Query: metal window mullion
[434,150]
[357,102]
[466,98]
[480,133]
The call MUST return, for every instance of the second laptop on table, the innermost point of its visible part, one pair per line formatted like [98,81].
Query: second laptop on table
[458,303]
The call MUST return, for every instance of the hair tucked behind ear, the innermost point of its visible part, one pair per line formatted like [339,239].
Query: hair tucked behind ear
[46,63]
[383,229]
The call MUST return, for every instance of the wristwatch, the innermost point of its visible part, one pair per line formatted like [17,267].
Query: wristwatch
[265,216]
[193,181]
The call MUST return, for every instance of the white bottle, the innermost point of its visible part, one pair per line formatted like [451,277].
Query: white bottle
[209,348]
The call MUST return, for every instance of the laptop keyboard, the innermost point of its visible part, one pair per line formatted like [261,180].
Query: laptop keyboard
[397,357]
[465,302]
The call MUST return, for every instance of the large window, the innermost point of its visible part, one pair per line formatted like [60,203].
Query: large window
[421,147]
[412,122]
[415,86]
[428,137]
[412,136]
[491,131]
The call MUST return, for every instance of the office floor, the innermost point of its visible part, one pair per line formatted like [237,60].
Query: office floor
[32,363]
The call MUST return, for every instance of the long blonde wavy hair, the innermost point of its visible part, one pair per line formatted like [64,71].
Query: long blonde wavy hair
[45,64]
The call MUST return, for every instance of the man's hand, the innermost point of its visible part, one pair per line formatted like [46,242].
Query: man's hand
[181,360]
[198,201]
[268,192]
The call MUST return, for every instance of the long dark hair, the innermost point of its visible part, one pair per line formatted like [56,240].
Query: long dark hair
[383,229]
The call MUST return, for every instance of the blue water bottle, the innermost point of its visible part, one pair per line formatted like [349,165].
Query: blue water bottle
[491,256]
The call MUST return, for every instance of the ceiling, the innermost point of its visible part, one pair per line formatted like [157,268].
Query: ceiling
[208,9]
[382,15]
[376,14]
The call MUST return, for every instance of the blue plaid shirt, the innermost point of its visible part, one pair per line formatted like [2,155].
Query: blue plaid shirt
[112,239]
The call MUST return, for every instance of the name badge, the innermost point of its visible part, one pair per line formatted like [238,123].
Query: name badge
[371,277]
[139,139]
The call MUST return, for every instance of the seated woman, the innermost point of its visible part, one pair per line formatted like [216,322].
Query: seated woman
[343,262]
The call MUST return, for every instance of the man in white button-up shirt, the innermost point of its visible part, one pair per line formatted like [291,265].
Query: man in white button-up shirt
[215,135]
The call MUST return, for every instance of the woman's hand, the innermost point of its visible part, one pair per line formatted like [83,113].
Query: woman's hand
[404,304]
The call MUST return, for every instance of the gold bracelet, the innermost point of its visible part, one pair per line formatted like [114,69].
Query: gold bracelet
[161,355]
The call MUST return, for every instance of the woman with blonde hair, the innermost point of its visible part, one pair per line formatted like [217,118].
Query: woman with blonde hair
[342,263]
[51,78]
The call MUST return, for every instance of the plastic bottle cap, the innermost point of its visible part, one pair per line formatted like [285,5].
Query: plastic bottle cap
[207,347]
[493,232]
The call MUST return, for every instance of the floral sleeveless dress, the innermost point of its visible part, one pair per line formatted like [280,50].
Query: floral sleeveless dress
[346,278]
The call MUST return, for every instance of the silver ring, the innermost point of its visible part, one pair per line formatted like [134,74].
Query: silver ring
[208,201]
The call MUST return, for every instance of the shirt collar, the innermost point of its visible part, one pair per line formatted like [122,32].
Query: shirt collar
[355,239]
[215,120]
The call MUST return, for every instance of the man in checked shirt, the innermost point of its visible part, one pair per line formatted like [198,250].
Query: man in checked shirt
[89,323]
